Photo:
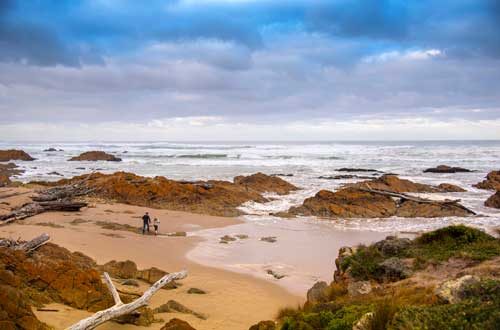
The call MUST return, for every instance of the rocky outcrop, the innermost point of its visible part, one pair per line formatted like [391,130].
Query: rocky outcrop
[356,203]
[206,197]
[96,156]
[261,183]
[359,288]
[6,172]
[317,293]
[446,169]
[177,324]
[494,200]
[12,154]
[492,181]
[395,184]
[128,270]
[454,291]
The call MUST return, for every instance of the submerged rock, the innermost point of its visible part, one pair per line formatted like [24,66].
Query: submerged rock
[494,200]
[350,169]
[492,181]
[446,169]
[12,154]
[95,156]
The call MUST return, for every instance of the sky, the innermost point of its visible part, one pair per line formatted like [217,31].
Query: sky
[249,70]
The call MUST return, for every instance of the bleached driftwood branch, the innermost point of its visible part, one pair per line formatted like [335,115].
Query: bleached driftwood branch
[25,246]
[119,308]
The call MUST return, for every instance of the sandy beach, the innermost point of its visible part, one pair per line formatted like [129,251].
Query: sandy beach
[234,301]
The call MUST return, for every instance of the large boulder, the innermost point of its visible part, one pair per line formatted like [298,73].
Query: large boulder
[494,200]
[395,269]
[96,156]
[264,183]
[206,197]
[448,187]
[177,324]
[317,293]
[446,169]
[492,181]
[12,154]
[453,291]
[346,203]
[392,246]
[412,209]
[393,183]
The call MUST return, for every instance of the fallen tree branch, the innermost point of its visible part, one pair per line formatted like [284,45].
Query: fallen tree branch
[120,309]
[31,209]
[28,246]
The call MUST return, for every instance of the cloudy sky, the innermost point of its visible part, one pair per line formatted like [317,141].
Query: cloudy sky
[249,69]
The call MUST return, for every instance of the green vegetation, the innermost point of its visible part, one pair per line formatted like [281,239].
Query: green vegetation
[430,248]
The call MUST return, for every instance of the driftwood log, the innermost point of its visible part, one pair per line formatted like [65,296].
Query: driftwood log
[31,209]
[120,308]
[25,246]
[402,196]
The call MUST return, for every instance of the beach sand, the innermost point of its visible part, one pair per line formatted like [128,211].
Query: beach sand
[234,301]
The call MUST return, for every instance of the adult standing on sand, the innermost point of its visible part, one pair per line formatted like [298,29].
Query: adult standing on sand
[146,220]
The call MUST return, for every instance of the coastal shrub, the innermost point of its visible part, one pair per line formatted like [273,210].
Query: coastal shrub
[383,313]
[342,319]
[430,248]
[479,312]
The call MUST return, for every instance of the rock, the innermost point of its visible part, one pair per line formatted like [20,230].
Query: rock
[453,291]
[80,168]
[142,317]
[392,246]
[492,181]
[50,150]
[120,269]
[395,184]
[358,288]
[174,306]
[346,176]
[269,239]
[446,169]
[226,239]
[177,324]
[264,183]
[411,209]
[447,187]
[95,156]
[282,174]
[55,173]
[346,203]
[241,236]
[350,169]
[196,291]
[395,269]
[494,200]
[7,155]
[317,293]
[264,325]
[150,275]
[57,275]
[364,323]
[5,181]
[355,203]
[130,282]
[177,234]
[222,199]
[274,274]
[6,172]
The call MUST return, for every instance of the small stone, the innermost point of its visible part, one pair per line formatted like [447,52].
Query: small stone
[196,291]
[269,239]
[274,274]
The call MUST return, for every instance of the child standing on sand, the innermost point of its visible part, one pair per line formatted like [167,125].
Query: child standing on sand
[156,224]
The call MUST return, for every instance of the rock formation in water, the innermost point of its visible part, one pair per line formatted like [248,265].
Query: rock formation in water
[494,200]
[96,156]
[206,197]
[356,203]
[446,169]
[8,155]
[6,172]
[492,181]
[395,184]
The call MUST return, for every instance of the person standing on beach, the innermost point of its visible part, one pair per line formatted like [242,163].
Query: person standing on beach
[156,224]
[146,220]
